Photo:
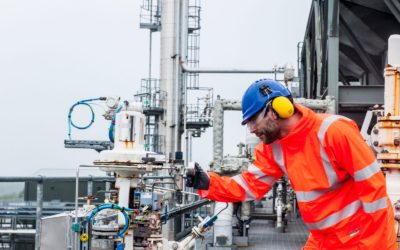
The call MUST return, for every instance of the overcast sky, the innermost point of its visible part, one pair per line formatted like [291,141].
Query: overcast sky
[54,53]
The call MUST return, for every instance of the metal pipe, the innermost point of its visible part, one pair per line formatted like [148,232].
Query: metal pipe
[181,210]
[53,179]
[333,49]
[166,73]
[317,29]
[191,245]
[218,131]
[170,189]
[150,55]
[183,56]
[218,124]
[177,79]
[300,74]
[76,244]
[39,210]
[185,68]
[223,225]
[108,193]
[190,146]
[90,187]
[159,182]
[308,69]
[157,177]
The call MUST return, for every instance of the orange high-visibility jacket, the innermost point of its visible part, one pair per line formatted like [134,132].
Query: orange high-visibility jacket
[340,189]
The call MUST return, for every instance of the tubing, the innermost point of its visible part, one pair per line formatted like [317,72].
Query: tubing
[86,103]
[112,125]
[122,232]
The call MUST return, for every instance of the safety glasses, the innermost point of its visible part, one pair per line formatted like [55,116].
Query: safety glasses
[257,118]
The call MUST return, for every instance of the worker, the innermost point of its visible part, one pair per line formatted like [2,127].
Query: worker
[339,185]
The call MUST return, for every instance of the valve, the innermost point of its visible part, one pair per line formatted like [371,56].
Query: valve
[84,237]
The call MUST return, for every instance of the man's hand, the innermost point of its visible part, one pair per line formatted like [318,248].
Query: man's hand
[196,177]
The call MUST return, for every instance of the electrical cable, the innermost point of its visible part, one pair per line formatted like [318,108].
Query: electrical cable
[87,103]
[123,210]
[237,210]
[227,204]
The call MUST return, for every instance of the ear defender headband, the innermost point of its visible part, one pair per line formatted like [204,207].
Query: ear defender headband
[282,106]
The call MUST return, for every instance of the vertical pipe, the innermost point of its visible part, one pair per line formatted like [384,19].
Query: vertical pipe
[39,209]
[308,68]
[108,187]
[333,50]
[190,146]
[318,50]
[124,185]
[90,186]
[183,52]
[178,77]
[150,55]
[76,243]
[223,225]
[167,74]
[187,144]
[218,131]
[300,73]
[392,89]
[12,240]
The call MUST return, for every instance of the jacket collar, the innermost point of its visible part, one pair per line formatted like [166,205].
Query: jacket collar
[303,127]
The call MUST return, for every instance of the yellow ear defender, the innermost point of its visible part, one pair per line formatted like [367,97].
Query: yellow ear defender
[283,107]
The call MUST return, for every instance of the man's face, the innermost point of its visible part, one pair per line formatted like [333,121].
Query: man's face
[264,126]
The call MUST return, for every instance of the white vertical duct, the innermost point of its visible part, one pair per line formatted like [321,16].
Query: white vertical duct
[394,50]
[223,225]
[392,107]
[168,70]
[392,95]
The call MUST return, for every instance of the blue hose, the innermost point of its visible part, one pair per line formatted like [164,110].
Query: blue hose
[116,207]
[112,125]
[86,103]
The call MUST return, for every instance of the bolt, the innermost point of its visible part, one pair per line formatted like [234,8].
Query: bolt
[376,131]
[376,143]
[175,246]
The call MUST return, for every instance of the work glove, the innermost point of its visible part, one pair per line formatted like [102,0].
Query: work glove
[196,177]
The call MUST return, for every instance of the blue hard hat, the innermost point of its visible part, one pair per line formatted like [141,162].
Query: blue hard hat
[259,94]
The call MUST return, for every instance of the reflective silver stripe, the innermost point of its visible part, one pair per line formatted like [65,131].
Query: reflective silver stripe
[335,218]
[307,196]
[367,172]
[260,175]
[278,156]
[330,172]
[239,179]
[371,207]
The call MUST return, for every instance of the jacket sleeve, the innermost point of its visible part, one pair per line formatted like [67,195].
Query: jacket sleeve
[346,146]
[249,185]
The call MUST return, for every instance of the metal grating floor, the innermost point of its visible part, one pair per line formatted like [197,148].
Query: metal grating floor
[264,236]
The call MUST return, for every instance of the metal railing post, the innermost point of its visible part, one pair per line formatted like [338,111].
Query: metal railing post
[39,209]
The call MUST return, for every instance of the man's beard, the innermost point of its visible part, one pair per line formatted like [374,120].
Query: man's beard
[271,132]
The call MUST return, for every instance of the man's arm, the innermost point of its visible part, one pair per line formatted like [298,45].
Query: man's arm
[249,185]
